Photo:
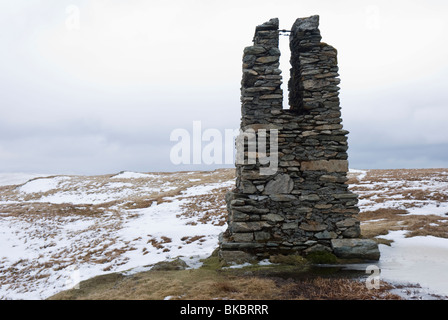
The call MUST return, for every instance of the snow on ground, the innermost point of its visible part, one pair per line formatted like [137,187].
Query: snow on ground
[7,179]
[420,193]
[42,184]
[57,231]
[133,175]
[89,190]
[161,223]
[416,260]
[359,174]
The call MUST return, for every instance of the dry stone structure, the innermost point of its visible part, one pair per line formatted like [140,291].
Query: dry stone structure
[302,204]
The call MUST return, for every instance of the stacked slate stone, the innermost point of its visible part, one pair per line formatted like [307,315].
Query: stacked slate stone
[260,93]
[304,205]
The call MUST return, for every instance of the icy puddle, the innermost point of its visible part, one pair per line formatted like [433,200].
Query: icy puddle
[422,260]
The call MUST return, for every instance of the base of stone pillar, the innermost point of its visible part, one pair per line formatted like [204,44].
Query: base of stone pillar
[232,253]
[365,249]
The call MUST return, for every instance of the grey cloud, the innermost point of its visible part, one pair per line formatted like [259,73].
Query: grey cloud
[57,117]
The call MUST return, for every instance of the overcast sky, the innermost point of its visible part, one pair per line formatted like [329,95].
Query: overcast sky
[95,87]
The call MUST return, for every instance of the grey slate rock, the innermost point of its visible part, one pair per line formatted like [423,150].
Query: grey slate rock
[282,183]
[365,249]
[176,264]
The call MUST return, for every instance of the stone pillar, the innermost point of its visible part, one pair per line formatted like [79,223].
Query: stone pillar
[302,203]
[261,95]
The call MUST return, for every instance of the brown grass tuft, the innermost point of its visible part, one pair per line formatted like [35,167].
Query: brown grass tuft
[200,284]
[341,289]
[380,222]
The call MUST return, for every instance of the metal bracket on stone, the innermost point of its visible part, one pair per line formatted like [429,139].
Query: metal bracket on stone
[284,32]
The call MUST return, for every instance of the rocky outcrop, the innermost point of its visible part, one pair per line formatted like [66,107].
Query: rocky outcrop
[291,194]
[176,264]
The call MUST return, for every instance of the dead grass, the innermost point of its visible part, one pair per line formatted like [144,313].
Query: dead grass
[406,184]
[159,244]
[428,226]
[43,221]
[380,222]
[39,210]
[182,181]
[341,289]
[213,282]
[409,188]
[192,239]
[201,284]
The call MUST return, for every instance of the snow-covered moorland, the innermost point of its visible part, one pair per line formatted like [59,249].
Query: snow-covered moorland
[58,230]
[409,209]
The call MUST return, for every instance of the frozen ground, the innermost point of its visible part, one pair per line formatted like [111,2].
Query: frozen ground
[416,260]
[58,230]
[413,205]
[17,178]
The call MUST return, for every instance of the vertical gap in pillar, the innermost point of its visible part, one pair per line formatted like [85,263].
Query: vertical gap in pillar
[285,66]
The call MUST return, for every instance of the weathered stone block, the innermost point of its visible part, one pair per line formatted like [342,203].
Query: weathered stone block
[248,187]
[347,195]
[271,96]
[239,216]
[325,165]
[314,84]
[290,225]
[252,209]
[352,232]
[310,197]
[282,183]
[329,127]
[259,89]
[262,235]
[282,197]
[249,226]
[323,206]
[254,50]
[243,237]
[237,202]
[241,245]
[313,226]
[267,59]
[326,235]
[176,264]
[272,217]
[328,178]
[317,248]
[302,210]
[350,222]
[356,249]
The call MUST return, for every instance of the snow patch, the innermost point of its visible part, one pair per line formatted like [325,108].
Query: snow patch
[360,174]
[42,184]
[81,243]
[8,179]
[133,175]
[421,260]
